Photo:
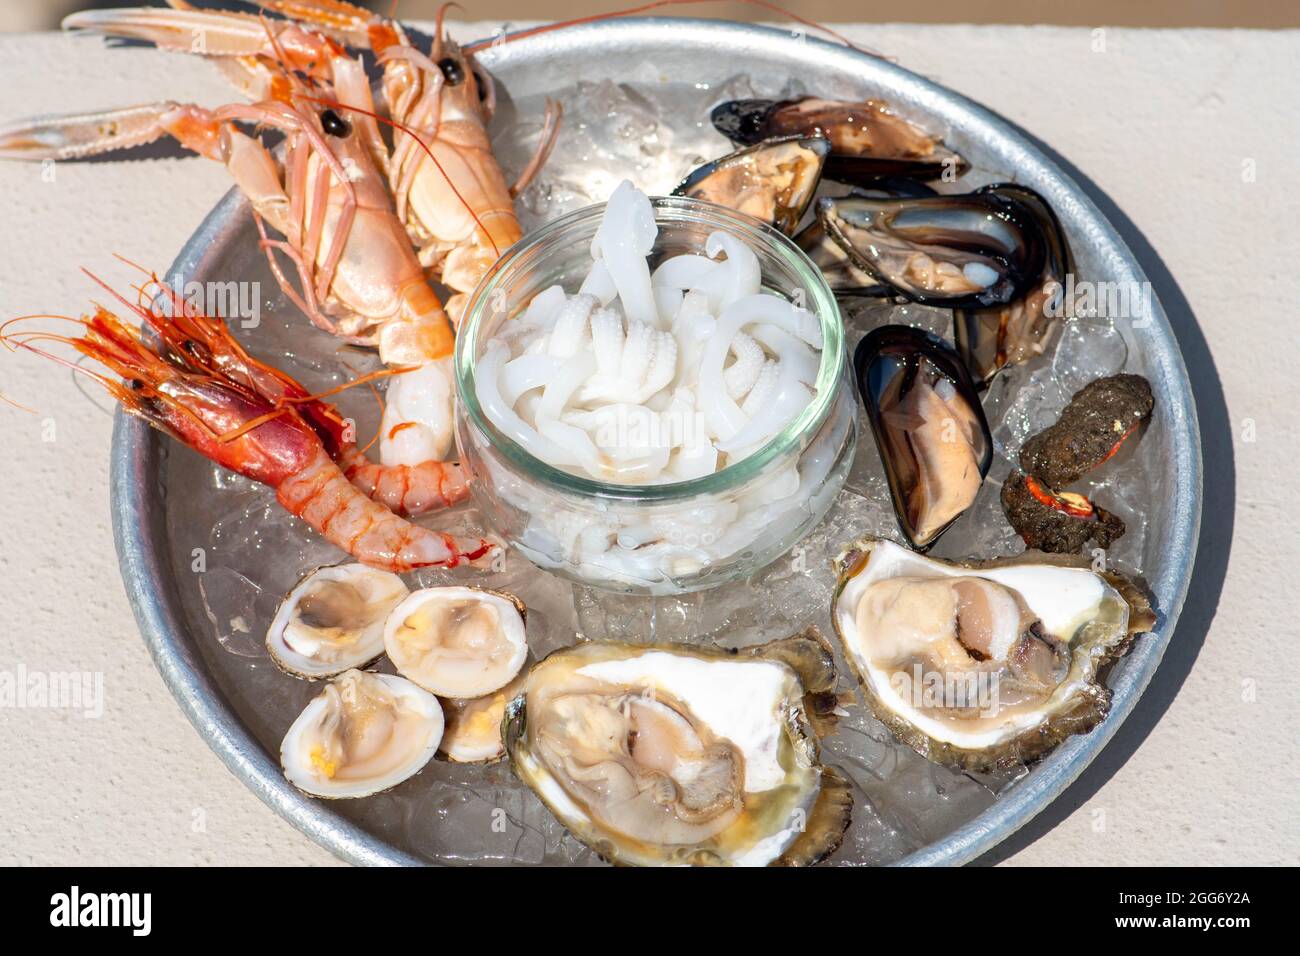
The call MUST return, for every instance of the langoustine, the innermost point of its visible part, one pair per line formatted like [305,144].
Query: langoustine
[205,392]
[358,276]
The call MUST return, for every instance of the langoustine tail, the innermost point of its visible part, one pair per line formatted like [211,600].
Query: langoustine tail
[323,496]
[407,489]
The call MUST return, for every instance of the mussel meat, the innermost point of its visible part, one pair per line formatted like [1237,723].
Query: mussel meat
[992,338]
[929,427]
[969,251]
[868,139]
[1099,419]
[1056,522]
[772,181]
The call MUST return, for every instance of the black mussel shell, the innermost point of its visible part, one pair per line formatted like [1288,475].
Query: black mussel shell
[968,251]
[1056,522]
[990,339]
[1100,418]
[841,274]
[868,138]
[773,181]
[929,428]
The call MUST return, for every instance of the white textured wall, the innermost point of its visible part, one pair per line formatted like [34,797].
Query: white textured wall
[1161,122]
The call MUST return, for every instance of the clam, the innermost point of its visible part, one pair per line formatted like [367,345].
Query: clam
[473,732]
[989,339]
[868,139]
[929,428]
[364,734]
[967,251]
[981,665]
[677,755]
[1097,422]
[773,180]
[333,620]
[1057,522]
[458,642]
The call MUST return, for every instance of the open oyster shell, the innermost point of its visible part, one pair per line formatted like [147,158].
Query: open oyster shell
[676,755]
[983,665]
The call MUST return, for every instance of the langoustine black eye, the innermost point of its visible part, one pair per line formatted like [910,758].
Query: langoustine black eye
[334,125]
[452,70]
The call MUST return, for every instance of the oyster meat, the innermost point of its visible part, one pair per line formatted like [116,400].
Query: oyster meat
[675,755]
[929,427]
[364,734]
[984,665]
[333,620]
[458,642]
[773,181]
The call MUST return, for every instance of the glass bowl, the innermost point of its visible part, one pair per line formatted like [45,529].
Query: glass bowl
[655,538]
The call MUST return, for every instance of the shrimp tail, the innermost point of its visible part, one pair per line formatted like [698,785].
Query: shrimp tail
[322,495]
[407,489]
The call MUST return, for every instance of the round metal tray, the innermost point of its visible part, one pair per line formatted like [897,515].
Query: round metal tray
[710,51]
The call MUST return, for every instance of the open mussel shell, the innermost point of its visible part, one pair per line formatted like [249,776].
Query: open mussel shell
[931,432]
[1056,522]
[992,338]
[840,270]
[868,139]
[969,251]
[773,181]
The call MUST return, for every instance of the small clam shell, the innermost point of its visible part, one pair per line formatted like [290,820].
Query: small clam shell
[333,620]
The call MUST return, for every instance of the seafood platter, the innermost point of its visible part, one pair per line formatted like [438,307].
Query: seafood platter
[662,442]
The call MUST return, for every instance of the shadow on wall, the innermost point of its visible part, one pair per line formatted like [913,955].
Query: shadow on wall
[1213,546]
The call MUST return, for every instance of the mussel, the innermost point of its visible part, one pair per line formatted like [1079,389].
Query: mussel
[1056,522]
[929,427]
[868,139]
[970,251]
[1100,417]
[773,180]
[989,339]
[1097,422]
[839,269]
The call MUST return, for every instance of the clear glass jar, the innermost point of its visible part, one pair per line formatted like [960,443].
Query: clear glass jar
[656,538]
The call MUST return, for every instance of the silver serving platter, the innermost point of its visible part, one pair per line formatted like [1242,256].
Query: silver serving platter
[704,51]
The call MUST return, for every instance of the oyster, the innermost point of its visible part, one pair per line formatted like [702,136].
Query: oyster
[473,732]
[673,755]
[333,620]
[989,339]
[868,139]
[363,734]
[772,181]
[929,427]
[1099,419]
[1057,522]
[981,666]
[957,252]
[459,642]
